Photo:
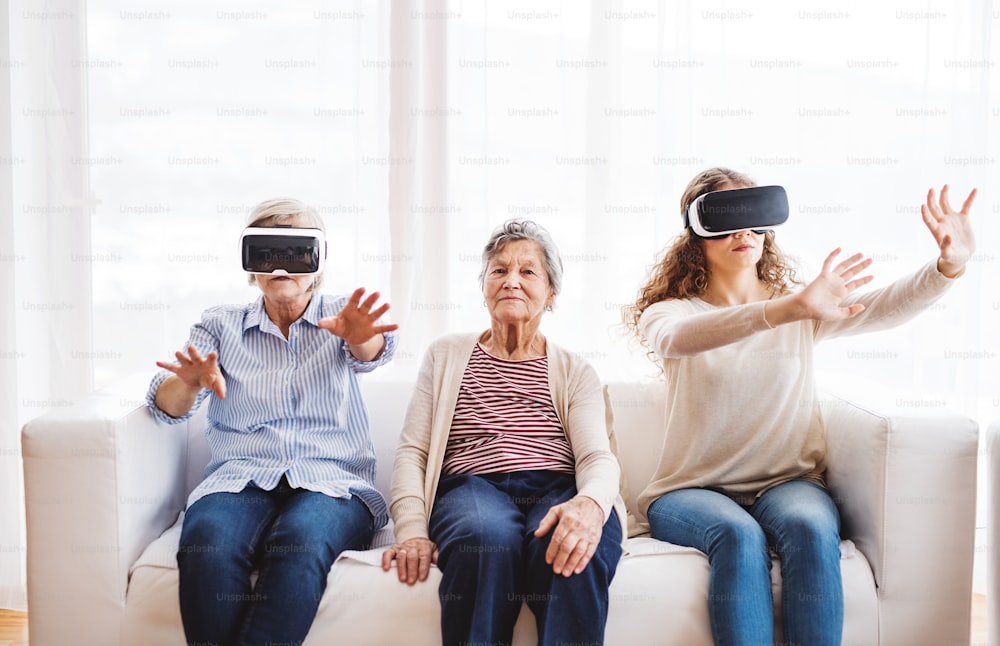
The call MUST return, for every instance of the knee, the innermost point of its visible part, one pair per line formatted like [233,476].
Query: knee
[602,564]
[324,528]
[298,535]
[488,538]
[475,540]
[300,543]
[202,527]
[742,535]
[809,534]
[206,540]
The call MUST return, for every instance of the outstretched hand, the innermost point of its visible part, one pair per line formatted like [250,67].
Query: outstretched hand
[197,371]
[356,323]
[952,230]
[822,299]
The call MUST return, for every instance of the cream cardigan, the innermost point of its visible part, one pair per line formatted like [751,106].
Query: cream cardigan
[578,401]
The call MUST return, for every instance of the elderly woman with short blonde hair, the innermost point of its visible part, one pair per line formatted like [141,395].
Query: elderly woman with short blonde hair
[291,481]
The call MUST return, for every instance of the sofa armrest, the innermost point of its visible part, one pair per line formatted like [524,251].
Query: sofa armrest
[102,479]
[906,488]
[992,496]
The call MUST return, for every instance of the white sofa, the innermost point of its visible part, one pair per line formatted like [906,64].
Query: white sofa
[105,484]
[992,497]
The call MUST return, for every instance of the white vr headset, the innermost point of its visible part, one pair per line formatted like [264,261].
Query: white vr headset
[717,214]
[283,251]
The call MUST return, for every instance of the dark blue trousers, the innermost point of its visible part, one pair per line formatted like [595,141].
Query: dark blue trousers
[491,561]
[290,536]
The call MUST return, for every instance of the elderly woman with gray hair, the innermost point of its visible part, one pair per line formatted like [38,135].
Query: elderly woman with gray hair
[291,481]
[504,476]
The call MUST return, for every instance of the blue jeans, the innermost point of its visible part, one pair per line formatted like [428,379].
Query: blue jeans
[289,536]
[799,522]
[491,561]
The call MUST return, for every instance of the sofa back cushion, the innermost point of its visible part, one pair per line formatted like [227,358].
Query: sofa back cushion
[637,418]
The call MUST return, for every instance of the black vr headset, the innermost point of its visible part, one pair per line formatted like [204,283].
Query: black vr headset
[283,251]
[717,214]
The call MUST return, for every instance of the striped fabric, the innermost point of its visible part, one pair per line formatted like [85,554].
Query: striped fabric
[505,421]
[293,407]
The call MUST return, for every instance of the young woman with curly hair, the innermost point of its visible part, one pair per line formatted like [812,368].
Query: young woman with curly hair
[741,471]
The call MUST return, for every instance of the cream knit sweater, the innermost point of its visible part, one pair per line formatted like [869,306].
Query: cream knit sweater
[741,412]
[578,401]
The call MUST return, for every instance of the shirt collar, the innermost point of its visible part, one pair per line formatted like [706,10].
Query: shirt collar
[257,317]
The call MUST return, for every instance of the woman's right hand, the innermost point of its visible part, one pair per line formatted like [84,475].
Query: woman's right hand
[821,299]
[198,372]
[413,559]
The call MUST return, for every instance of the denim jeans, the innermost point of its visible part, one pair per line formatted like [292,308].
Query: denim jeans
[491,561]
[289,536]
[799,522]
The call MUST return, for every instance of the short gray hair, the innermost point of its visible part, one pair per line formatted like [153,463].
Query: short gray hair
[280,210]
[514,230]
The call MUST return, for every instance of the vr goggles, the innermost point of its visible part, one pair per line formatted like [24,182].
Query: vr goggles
[283,251]
[717,214]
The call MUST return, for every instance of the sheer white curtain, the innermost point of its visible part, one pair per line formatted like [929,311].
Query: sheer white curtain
[201,110]
[591,118]
[46,330]
[140,137]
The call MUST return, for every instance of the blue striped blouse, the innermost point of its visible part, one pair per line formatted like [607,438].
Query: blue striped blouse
[293,406]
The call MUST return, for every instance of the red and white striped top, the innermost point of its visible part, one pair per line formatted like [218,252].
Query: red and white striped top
[505,421]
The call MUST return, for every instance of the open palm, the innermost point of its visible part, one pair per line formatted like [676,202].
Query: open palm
[952,230]
[197,371]
[821,299]
[357,322]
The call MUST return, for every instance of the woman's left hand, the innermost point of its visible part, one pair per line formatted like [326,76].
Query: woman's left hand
[578,523]
[356,323]
[413,559]
[952,231]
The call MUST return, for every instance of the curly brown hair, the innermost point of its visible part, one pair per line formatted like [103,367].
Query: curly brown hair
[682,272]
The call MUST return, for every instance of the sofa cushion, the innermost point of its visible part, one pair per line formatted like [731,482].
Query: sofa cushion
[162,553]
[659,588]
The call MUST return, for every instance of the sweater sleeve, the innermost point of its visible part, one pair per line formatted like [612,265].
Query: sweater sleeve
[674,328]
[407,503]
[597,471]
[891,305]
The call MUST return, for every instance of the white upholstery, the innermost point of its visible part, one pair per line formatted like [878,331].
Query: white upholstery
[992,495]
[105,484]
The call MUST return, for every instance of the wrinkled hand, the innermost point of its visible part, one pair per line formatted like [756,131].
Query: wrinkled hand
[821,299]
[356,323]
[413,559]
[952,231]
[578,523]
[197,371]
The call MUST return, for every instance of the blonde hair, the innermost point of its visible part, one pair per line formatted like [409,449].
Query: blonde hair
[683,271]
[280,210]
